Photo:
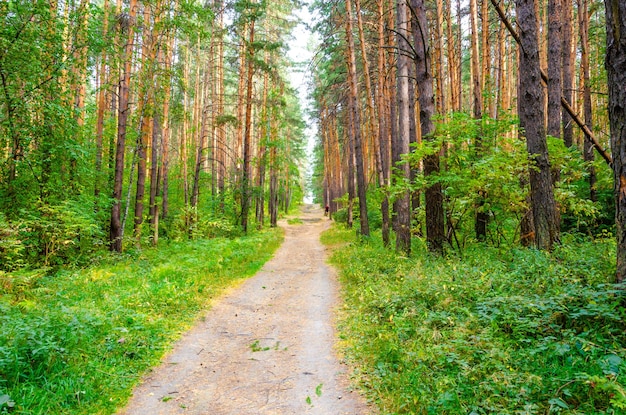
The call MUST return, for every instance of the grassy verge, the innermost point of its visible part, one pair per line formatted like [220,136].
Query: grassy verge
[515,332]
[78,341]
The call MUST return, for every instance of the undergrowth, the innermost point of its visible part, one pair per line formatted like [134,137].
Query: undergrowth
[498,332]
[76,342]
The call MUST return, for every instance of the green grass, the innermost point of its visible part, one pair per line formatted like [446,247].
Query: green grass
[78,341]
[499,332]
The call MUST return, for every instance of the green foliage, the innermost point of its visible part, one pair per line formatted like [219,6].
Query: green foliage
[484,167]
[50,235]
[507,332]
[77,342]
[11,246]
[190,224]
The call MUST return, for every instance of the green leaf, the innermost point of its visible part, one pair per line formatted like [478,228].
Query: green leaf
[558,402]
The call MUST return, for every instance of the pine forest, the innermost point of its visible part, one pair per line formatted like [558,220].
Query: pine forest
[470,153]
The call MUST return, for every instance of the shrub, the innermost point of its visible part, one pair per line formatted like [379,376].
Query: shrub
[498,332]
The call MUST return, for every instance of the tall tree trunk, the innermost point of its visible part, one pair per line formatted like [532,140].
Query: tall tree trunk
[555,56]
[459,53]
[166,133]
[383,126]
[353,107]
[478,77]
[532,120]
[567,75]
[145,109]
[349,150]
[486,83]
[116,230]
[247,155]
[155,168]
[435,232]
[453,60]
[262,159]
[101,104]
[477,99]
[438,40]
[185,135]
[588,155]
[402,207]
[588,134]
[220,149]
[201,142]
[616,73]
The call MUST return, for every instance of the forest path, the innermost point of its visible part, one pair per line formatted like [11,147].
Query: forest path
[264,348]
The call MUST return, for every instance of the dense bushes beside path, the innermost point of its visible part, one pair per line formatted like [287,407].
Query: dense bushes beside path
[498,332]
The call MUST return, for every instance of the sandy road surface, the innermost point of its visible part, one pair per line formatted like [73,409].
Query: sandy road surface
[265,348]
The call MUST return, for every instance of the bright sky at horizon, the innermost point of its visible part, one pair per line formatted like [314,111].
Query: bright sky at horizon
[301,47]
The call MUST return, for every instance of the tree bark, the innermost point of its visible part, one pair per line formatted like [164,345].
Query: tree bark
[616,74]
[101,105]
[116,230]
[588,155]
[353,107]
[166,132]
[532,120]
[567,75]
[383,126]
[555,56]
[147,101]
[435,226]
[478,79]
[247,155]
[400,147]
[566,106]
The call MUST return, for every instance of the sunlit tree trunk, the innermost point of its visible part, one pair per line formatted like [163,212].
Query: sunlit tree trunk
[166,133]
[383,125]
[353,107]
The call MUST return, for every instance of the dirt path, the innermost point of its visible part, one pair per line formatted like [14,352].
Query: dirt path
[265,348]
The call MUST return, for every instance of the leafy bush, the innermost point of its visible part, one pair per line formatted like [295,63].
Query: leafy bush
[484,176]
[499,332]
[49,235]
[191,224]
[11,246]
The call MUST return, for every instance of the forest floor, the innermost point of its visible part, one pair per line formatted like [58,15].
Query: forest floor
[265,347]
